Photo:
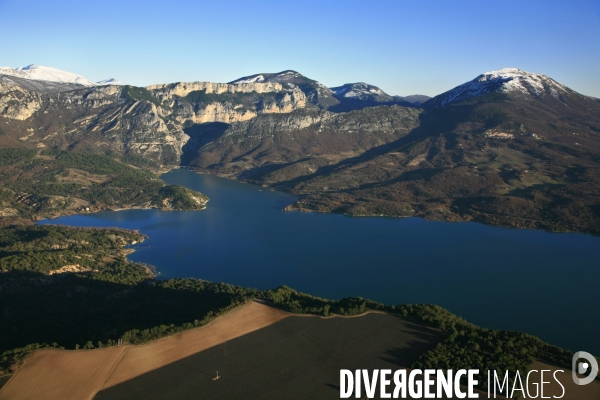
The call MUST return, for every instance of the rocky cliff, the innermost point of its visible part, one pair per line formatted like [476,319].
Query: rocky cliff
[201,102]
[316,93]
[16,102]
[127,120]
[153,123]
[104,118]
[181,89]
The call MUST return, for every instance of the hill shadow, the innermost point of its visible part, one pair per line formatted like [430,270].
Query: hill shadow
[346,105]
[200,135]
[429,126]
[298,357]
[72,308]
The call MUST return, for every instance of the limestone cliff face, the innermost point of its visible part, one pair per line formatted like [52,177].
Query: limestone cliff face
[105,118]
[286,103]
[372,120]
[135,121]
[269,125]
[149,122]
[17,103]
[167,92]
[201,102]
[212,112]
[145,132]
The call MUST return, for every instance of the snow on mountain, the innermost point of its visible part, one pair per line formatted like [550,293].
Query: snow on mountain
[42,73]
[360,91]
[252,79]
[111,81]
[507,80]
[316,93]
[289,77]
[283,77]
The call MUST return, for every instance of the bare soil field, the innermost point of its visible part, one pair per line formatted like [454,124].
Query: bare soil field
[60,374]
[3,380]
[296,358]
[142,359]
[259,351]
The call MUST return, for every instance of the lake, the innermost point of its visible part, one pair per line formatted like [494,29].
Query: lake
[542,283]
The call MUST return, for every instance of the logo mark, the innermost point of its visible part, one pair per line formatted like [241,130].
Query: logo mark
[590,365]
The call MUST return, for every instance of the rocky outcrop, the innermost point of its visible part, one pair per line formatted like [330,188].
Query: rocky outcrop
[134,121]
[150,122]
[17,103]
[285,103]
[384,119]
[212,112]
[201,102]
[104,118]
[147,133]
[168,92]
[269,125]
[317,94]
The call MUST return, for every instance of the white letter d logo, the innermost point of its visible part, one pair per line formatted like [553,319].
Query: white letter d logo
[583,367]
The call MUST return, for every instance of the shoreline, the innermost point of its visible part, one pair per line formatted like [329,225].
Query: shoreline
[293,207]
[457,217]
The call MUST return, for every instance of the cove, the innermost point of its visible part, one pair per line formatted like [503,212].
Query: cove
[545,284]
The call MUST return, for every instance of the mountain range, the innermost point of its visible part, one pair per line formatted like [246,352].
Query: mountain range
[509,147]
[50,74]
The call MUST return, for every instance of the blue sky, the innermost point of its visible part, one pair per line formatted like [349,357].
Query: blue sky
[404,47]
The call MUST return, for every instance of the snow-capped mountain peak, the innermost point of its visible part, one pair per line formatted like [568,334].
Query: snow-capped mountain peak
[315,92]
[28,68]
[516,80]
[358,90]
[288,76]
[42,73]
[361,91]
[111,81]
[252,79]
[507,80]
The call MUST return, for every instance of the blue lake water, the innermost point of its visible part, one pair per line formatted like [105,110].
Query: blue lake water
[542,283]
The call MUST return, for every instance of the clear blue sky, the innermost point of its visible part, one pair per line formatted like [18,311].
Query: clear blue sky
[404,47]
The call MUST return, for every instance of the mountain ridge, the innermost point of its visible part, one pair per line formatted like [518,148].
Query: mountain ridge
[507,148]
[51,74]
[316,93]
[359,91]
[506,80]
[509,80]
[526,156]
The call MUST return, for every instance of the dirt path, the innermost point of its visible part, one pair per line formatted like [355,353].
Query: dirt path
[61,374]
